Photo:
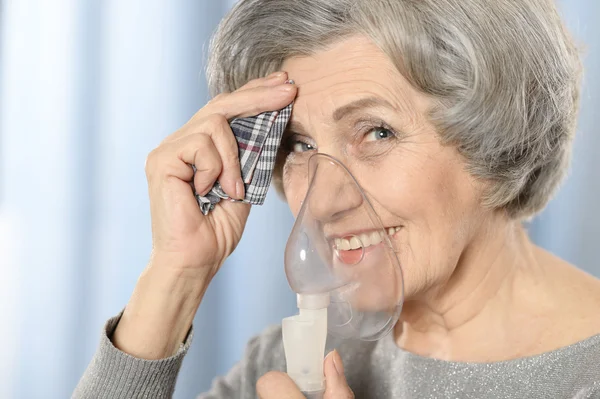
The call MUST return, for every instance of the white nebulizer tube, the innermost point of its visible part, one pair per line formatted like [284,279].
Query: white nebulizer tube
[304,337]
[340,261]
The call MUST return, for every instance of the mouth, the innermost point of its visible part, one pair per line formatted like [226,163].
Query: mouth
[363,240]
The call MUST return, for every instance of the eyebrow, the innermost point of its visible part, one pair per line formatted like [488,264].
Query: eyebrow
[345,110]
[367,102]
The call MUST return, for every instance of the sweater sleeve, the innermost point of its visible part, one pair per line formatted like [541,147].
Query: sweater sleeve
[115,374]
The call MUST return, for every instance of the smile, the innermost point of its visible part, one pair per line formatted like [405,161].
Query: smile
[362,240]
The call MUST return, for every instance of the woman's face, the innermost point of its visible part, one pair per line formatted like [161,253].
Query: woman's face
[355,106]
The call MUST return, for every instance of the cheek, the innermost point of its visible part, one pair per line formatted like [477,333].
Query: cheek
[436,201]
[406,187]
[294,186]
[426,184]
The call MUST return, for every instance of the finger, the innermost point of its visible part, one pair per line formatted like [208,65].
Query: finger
[217,127]
[271,80]
[277,385]
[336,386]
[198,150]
[251,102]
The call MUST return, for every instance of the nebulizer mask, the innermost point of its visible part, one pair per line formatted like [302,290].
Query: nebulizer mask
[340,261]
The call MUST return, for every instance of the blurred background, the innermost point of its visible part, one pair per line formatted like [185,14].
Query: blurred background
[87,89]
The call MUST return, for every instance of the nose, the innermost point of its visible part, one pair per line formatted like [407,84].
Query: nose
[333,193]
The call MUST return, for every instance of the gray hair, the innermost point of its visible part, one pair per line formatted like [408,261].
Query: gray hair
[504,74]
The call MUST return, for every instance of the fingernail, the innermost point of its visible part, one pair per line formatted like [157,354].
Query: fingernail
[276,75]
[239,189]
[337,362]
[286,88]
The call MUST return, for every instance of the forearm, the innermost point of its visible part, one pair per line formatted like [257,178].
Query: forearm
[160,313]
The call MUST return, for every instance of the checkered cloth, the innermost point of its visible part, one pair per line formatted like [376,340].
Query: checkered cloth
[258,139]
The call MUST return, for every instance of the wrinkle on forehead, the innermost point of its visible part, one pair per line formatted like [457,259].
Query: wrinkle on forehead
[351,69]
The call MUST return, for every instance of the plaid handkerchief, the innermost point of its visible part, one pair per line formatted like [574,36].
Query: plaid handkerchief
[258,139]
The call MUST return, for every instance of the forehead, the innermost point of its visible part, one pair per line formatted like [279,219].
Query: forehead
[348,70]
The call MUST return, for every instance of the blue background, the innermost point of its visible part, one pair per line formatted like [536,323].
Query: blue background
[87,89]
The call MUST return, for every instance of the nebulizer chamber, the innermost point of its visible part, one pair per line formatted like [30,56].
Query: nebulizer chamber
[341,263]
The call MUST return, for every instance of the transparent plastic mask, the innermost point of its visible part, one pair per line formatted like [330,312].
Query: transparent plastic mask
[339,246]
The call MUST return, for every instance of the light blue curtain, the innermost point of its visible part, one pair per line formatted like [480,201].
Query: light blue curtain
[87,89]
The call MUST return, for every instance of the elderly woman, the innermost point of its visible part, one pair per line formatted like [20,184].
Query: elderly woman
[464,111]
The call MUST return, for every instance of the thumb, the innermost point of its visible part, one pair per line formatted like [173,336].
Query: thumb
[336,386]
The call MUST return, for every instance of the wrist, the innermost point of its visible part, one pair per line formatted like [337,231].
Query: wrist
[174,265]
[181,289]
[160,312]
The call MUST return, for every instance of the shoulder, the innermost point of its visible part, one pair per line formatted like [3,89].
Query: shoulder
[580,311]
[583,356]
[574,300]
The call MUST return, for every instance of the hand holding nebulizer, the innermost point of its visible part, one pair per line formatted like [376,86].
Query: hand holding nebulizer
[340,261]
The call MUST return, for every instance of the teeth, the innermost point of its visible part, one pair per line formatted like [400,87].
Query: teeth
[363,240]
[344,244]
[375,238]
[354,243]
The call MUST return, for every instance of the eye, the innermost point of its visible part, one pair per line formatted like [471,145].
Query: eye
[378,133]
[300,146]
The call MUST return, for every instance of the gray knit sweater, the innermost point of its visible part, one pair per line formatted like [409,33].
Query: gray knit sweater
[373,369]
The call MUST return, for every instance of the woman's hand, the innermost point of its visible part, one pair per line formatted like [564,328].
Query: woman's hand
[188,248]
[277,385]
[184,240]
